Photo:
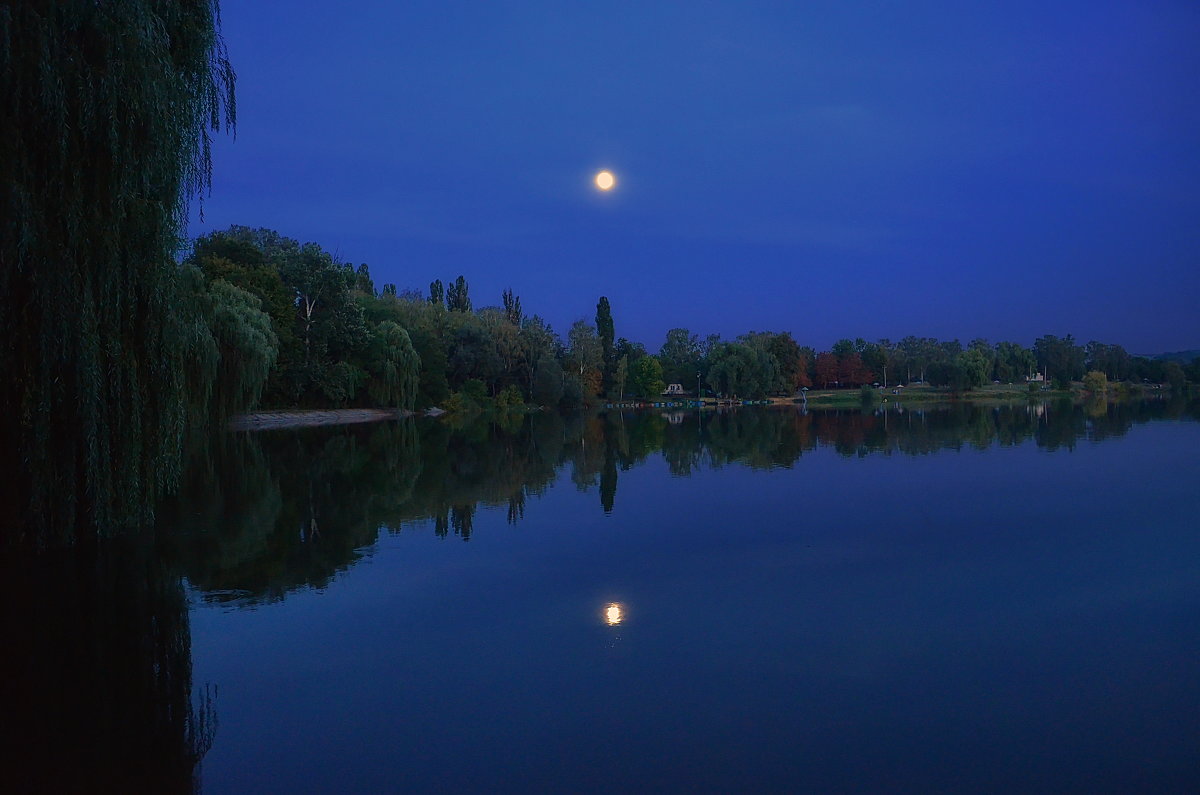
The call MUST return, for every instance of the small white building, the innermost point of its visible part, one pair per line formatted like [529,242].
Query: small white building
[673,389]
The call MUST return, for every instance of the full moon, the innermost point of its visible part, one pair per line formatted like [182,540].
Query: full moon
[605,180]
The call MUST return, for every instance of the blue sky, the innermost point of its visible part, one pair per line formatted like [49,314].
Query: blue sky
[833,169]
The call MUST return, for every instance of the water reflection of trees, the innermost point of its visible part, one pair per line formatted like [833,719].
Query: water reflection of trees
[265,513]
[96,677]
[778,438]
[96,683]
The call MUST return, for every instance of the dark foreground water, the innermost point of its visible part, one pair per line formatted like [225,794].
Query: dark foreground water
[970,599]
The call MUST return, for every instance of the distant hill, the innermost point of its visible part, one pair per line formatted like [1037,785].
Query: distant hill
[1183,357]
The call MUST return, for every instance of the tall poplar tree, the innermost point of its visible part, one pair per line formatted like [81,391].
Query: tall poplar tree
[457,298]
[107,113]
[604,328]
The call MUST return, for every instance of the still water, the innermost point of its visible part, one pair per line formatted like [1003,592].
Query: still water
[996,599]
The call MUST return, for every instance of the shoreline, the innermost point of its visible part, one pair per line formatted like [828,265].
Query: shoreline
[825,398]
[301,418]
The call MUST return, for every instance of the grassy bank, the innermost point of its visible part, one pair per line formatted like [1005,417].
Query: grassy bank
[823,398]
[832,398]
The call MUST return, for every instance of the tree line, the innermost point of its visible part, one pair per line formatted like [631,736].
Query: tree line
[299,328]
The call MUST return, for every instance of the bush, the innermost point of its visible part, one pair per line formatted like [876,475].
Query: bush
[510,398]
[457,404]
[475,391]
[1095,382]
[473,397]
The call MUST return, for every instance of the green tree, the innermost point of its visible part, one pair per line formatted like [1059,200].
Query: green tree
[1174,376]
[234,257]
[394,367]
[1060,359]
[919,353]
[433,386]
[735,368]
[1143,369]
[842,348]
[789,362]
[973,364]
[630,350]
[547,382]
[605,331]
[621,377]
[645,378]
[512,307]
[947,350]
[1096,382]
[948,373]
[895,363]
[574,394]
[475,390]
[875,359]
[510,398]
[1192,371]
[437,293]
[104,137]
[584,357]
[362,280]
[681,354]
[1112,360]
[537,340]
[457,299]
[473,354]
[246,347]
[506,341]
[1014,362]
[423,321]
[330,327]
[987,354]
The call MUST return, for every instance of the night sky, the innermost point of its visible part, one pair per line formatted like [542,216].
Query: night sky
[834,169]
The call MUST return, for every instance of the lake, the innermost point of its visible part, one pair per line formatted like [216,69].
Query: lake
[911,600]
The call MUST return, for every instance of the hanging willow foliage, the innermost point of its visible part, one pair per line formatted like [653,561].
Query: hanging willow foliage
[248,348]
[106,113]
[395,367]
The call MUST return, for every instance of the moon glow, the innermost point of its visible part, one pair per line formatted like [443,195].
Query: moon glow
[605,180]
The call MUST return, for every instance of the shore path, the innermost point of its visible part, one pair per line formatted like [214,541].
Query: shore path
[264,420]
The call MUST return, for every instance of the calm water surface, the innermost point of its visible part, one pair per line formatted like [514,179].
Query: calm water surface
[962,599]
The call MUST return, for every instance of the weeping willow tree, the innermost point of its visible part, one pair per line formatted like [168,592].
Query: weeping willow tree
[394,367]
[106,116]
[247,348]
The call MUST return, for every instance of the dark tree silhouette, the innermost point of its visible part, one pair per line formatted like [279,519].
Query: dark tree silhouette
[105,134]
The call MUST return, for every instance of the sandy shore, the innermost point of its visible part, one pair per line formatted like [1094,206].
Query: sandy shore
[263,420]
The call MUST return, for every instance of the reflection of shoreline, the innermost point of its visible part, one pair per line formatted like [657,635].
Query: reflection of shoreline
[261,515]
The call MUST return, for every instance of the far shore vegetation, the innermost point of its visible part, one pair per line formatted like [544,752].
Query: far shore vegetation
[337,340]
